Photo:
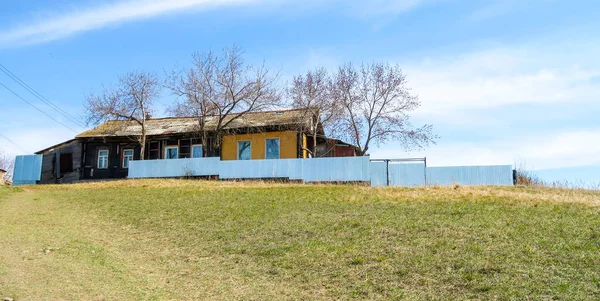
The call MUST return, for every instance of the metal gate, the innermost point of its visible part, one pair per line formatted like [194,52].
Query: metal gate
[399,172]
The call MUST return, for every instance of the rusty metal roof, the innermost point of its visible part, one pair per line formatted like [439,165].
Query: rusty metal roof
[178,125]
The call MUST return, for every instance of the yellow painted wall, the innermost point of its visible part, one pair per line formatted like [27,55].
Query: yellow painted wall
[304,146]
[288,144]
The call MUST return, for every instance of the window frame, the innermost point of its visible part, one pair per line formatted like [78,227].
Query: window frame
[238,149]
[279,145]
[167,148]
[123,157]
[192,150]
[98,158]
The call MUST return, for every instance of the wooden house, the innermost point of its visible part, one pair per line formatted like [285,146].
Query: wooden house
[105,151]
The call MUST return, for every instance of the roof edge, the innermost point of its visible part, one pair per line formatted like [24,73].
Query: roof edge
[55,146]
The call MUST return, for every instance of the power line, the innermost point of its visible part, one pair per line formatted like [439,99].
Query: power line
[23,99]
[13,143]
[40,96]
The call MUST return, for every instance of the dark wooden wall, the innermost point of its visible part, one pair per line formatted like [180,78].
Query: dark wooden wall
[51,173]
[115,168]
[155,148]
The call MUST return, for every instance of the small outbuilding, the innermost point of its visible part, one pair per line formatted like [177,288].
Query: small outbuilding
[2,177]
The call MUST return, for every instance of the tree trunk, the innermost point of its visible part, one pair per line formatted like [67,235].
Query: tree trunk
[204,144]
[204,136]
[217,145]
[362,152]
[143,142]
[314,145]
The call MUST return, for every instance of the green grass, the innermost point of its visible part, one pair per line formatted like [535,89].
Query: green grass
[189,240]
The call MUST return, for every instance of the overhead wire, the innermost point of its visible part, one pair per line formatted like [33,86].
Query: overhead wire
[13,143]
[40,96]
[32,105]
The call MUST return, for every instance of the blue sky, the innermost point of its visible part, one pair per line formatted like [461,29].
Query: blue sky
[503,82]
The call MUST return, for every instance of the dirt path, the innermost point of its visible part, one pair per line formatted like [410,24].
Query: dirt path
[49,248]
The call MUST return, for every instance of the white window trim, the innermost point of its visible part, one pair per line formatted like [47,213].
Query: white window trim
[98,159]
[238,148]
[167,148]
[192,154]
[279,144]
[123,157]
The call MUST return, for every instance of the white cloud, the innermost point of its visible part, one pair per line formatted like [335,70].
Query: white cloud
[73,22]
[468,96]
[33,139]
[66,24]
[382,7]
[559,150]
[503,76]
[496,8]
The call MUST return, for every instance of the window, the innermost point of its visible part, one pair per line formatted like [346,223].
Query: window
[272,148]
[197,151]
[127,156]
[66,163]
[103,159]
[171,152]
[244,150]
[154,153]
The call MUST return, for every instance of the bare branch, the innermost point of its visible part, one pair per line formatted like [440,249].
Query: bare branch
[224,88]
[131,100]
[7,163]
[312,92]
[377,105]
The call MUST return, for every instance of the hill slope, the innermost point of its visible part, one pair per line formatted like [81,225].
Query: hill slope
[169,239]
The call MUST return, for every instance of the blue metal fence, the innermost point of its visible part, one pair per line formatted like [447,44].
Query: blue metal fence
[28,170]
[349,169]
[379,174]
[500,175]
[261,169]
[174,168]
[308,170]
[406,174]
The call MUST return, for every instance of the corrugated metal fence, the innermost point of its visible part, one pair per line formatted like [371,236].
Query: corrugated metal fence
[351,169]
[411,172]
[28,170]
[174,168]
[501,175]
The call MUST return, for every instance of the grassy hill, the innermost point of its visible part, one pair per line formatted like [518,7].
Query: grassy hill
[189,240]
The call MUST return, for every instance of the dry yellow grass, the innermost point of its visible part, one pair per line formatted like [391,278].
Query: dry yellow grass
[210,240]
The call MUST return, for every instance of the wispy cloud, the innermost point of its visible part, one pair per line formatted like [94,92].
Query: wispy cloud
[551,150]
[66,24]
[498,8]
[497,77]
[63,24]
[532,102]
[382,7]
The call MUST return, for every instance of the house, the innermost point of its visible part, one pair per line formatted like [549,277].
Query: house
[2,177]
[105,151]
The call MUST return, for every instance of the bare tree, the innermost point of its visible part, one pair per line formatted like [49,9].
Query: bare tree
[7,163]
[132,100]
[377,104]
[312,92]
[194,87]
[225,87]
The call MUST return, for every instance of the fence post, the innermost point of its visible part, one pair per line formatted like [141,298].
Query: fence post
[425,160]
[387,172]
